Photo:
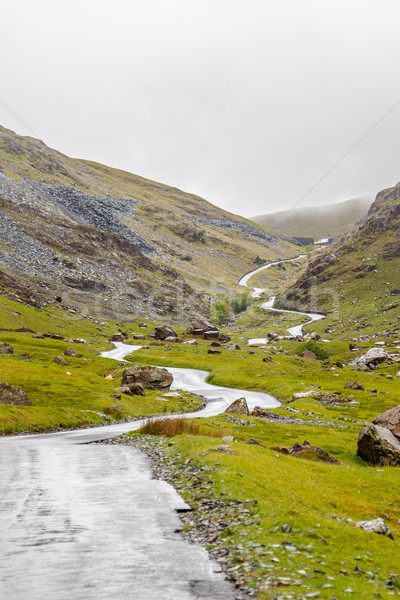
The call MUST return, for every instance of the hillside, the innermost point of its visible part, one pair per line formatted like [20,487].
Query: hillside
[317,221]
[110,243]
[356,280]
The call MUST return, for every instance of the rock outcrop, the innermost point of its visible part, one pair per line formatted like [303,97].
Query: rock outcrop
[378,446]
[10,394]
[72,352]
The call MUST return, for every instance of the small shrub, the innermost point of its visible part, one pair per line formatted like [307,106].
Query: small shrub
[319,351]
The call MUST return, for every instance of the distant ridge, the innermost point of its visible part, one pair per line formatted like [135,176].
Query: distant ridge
[318,221]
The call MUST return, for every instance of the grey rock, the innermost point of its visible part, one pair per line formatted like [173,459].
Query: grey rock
[72,352]
[376,526]
[59,360]
[378,446]
[153,378]
[238,407]
[10,394]
[390,419]
[6,348]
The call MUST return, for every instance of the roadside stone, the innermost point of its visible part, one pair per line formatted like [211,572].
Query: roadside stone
[238,407]
[117,337]
[371,359]
[308,354]
[10,394]
[152,378]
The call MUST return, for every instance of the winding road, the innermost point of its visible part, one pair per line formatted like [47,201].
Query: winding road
[269,304]
[88,522]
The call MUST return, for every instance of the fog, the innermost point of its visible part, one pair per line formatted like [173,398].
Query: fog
[256,105]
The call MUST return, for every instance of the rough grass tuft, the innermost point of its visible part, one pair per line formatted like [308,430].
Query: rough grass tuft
[172,427]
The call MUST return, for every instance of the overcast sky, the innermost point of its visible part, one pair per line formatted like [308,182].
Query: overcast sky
[248,103]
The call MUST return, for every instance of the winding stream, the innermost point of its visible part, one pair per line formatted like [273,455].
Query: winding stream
[269,304]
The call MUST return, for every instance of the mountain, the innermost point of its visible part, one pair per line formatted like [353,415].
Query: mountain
[356,280]
[317,221]
[109,243]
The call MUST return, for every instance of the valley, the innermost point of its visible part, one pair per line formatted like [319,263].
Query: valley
[98,264]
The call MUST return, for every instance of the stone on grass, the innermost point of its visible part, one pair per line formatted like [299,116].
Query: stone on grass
[253,441]
[308,354]
[72,352]
[10,394]
[378,446]
[234,347]
[165,331]
[370,359]
[117,337]
[213,351]
[376,526]
[390,419]
[59,360]
[6,348]
[311,394]
[238,407]
[309,452]
[354,385]
[152,378]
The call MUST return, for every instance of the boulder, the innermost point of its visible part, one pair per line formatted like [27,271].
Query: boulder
[268,359]
[375,526]
[24,330]
[308,354]
[224,338]
[309,452]
[117,337]
[134,389]
[354,385]
[258,412]
[211,334]
[377,445]
[199,327]
[163,332]
[138,336]
[171,338]
[390,419]
[215,345]
[370,359]
[315,336]
[6,348]
[213,351]
[234,347]
[59,360]
[152,378]
[191,342]
[10,394]
[238,407]
[72,352]
[281,449]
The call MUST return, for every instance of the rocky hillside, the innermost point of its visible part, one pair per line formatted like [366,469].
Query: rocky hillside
[114,244]
[356,280]
[318,221]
